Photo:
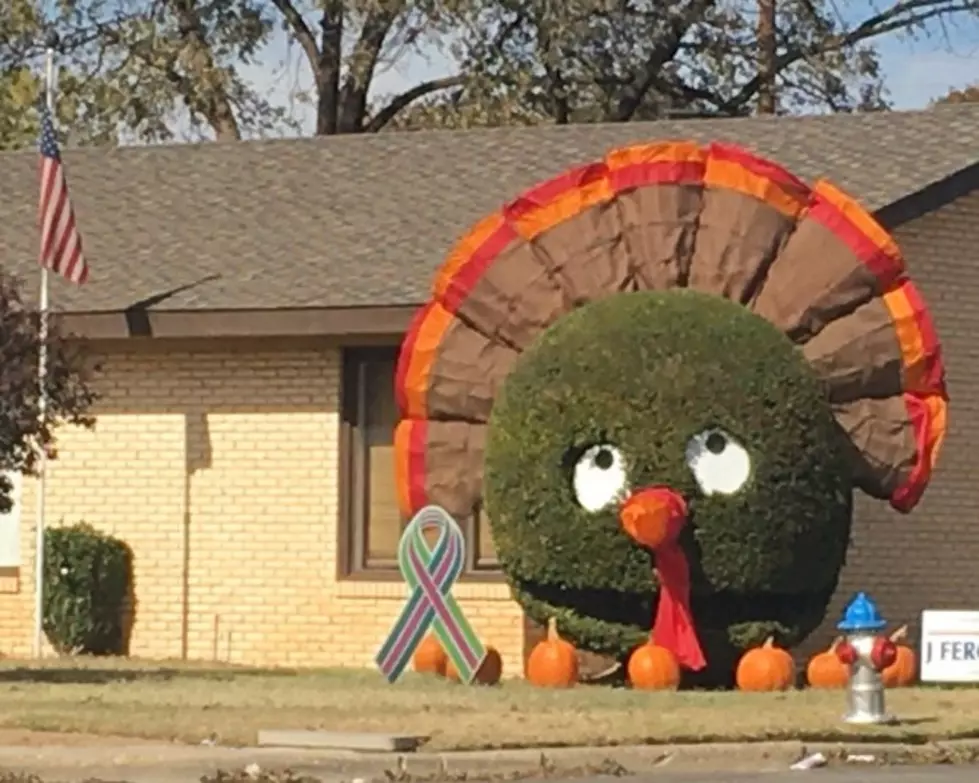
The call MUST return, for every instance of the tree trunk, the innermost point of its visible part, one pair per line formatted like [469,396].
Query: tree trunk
[202,91]
[767,99]
[328,70]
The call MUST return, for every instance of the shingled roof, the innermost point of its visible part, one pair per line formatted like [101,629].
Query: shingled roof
[365,220]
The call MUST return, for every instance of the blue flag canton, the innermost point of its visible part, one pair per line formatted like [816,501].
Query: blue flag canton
[48,143]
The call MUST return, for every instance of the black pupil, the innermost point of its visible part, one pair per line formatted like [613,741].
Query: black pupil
[716,443]
[604,459]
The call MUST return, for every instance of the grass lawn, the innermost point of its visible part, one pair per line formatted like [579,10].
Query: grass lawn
[190,703]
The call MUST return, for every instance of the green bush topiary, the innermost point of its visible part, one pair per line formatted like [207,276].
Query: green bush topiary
[88,599]
[646,372]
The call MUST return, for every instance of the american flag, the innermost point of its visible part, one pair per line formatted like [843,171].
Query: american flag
[61,244]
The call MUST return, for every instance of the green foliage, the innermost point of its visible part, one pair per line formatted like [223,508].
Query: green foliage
[88,583]
[68,388]
[133,71]
[645,372]
[141,70]
[588,60]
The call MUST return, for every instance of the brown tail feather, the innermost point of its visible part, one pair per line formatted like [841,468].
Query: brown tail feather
[448,370]
[884,451]
[750,207]
[858,355]
[441,463]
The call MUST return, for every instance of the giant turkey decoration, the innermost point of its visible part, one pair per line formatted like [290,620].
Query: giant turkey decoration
[660,376]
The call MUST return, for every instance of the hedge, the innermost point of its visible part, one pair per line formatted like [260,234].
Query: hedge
[646,371]
[88,591]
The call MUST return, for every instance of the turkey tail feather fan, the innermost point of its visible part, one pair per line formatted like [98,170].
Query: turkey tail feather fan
[668,215]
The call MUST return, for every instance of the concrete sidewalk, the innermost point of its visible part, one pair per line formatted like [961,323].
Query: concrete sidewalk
[169,763]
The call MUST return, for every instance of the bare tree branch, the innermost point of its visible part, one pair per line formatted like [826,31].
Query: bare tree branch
[401,102]
[900,16]
[632,96]
[301,32]
[363,63]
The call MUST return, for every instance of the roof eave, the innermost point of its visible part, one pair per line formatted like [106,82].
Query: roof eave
[348,323]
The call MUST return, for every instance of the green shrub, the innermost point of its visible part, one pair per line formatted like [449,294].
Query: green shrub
[88,591]
[647,371]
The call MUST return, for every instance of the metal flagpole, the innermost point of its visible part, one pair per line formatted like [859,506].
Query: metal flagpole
[42,402]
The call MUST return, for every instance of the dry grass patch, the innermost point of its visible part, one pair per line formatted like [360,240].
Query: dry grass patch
[189,703]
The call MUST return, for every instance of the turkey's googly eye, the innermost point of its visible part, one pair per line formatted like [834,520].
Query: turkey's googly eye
[720,465]
[599,477]
[715,442]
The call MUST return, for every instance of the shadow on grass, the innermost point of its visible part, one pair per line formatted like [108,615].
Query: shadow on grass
[90,671]
[96,676]
[913,721]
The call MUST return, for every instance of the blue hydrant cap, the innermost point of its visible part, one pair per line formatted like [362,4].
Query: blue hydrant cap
[861,615]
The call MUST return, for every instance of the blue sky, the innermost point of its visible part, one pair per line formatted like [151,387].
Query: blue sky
[916,71]
[921,70]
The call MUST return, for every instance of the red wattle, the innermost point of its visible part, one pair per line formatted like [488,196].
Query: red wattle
[674,628]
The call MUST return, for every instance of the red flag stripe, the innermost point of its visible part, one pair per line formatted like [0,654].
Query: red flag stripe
[61,244]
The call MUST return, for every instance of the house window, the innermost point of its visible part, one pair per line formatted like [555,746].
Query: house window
[373,523]
[10,524]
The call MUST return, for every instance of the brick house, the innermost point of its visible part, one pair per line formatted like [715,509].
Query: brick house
[246,303]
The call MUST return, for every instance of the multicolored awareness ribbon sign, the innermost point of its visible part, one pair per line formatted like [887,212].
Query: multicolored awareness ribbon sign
[430,573]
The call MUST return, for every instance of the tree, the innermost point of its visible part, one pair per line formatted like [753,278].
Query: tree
[379,30]
[23,431]
[596,60]
[150,70]
[136,69]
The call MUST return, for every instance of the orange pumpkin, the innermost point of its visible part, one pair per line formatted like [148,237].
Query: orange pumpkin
[765,668]
[653,668]
[904,671]
[430,658]
[826,670]
[489,672]
[553,663]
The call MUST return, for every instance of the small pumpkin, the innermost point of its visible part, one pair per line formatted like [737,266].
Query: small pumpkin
[430,658]
[553,663]
[489,673]
[765,668]
[826,670]
[653,668]
[904,671]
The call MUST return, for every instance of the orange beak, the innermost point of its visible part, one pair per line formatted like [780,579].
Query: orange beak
[654,517]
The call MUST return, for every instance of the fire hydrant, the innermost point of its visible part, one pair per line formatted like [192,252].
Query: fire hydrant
[867,652]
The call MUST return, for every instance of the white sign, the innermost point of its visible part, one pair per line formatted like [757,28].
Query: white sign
[949,646]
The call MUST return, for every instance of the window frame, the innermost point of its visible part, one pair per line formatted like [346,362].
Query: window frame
[352,486]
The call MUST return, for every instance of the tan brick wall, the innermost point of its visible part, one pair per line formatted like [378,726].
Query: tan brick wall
[218,461]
